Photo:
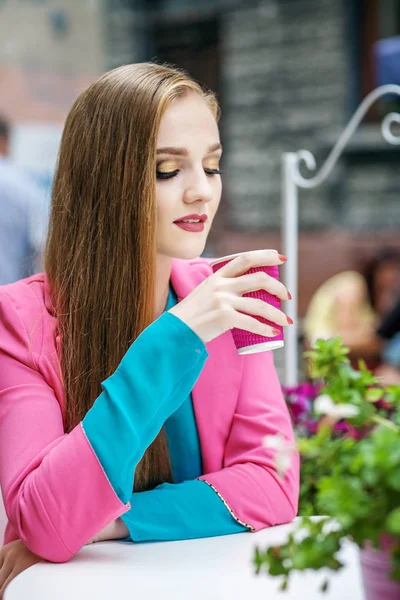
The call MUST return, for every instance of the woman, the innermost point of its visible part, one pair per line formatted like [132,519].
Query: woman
[125,409]
[351,304]
[341,307]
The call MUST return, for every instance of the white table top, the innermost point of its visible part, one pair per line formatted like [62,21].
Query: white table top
[205,569]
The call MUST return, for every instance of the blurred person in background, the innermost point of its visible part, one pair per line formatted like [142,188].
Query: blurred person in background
[20,202]
[352,304]
[389,330]
[4,137]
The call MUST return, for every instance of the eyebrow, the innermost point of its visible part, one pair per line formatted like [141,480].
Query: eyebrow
[183,152]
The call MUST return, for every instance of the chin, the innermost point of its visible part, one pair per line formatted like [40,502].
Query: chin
[187,252]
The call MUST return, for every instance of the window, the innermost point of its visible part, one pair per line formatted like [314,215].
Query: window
[377,20]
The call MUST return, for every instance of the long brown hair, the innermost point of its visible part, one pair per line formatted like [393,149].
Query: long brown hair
[101,249]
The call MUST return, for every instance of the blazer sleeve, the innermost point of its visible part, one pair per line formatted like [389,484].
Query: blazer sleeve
[50,480]
[249,483]
[179,511]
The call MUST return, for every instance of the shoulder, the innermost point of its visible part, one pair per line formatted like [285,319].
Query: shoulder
[23,313]
[25,293]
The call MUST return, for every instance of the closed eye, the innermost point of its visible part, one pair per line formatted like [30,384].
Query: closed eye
[171,174]
[166,174]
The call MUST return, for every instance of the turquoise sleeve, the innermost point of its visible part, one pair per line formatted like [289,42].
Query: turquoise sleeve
[178,512]
[154,378]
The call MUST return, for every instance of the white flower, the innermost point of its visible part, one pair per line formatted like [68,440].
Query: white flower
[277,441]
[284,450]
[324,405]
[283,460]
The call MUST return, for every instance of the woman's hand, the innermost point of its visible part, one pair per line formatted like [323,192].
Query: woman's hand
[15,558]
[217,305]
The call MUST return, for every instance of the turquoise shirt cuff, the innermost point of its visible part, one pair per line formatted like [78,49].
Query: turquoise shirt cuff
[154,378]
[180,511]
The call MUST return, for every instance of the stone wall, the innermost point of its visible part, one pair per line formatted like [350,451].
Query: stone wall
[287,85]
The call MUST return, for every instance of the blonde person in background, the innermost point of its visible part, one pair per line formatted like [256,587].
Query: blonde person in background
[351,304]
[126,411]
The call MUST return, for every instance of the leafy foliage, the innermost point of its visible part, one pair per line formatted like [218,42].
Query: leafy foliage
[350,469]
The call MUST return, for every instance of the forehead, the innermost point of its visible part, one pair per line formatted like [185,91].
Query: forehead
[188,122]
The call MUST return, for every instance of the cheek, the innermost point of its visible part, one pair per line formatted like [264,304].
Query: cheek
[217,191]
[164,201]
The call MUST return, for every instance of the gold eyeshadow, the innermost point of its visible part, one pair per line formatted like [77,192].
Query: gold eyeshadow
[213,165]
[167,166]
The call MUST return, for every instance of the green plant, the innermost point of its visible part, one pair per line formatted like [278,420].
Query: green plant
[350,468]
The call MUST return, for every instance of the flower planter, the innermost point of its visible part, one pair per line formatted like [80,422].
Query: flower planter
[376,568]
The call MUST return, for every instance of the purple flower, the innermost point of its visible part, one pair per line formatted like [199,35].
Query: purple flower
[300,405]
[342,427]
[309,390]
[300,399]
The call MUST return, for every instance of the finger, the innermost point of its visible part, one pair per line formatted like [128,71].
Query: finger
[9,579]
[5,573]
[258,281]
[247,260]
[251,324]
[256,306]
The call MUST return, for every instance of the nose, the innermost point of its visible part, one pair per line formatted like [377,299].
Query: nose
[198,188]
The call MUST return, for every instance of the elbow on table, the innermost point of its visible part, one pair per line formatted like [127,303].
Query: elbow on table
[283,496]
[290,510]
[39,535]
[47,547]
[288,502]
[36,518]
[283,511]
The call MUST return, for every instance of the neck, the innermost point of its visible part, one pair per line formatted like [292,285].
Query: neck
[163,274]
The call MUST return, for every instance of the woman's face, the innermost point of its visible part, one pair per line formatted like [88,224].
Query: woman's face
[188,179]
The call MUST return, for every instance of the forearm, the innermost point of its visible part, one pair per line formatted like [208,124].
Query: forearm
[181,511]
[155,377]
[62,489]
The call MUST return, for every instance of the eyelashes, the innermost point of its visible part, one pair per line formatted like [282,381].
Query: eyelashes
[171,174]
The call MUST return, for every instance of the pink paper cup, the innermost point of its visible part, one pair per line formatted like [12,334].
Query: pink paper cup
[245,341]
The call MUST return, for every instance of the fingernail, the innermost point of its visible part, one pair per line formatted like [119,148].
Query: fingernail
[289,295]
[282,257]
[275,332]
[289,320]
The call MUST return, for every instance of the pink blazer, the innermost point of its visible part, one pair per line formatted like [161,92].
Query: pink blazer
[55,491]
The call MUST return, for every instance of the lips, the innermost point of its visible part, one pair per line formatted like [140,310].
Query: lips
[194,227]
[194,217]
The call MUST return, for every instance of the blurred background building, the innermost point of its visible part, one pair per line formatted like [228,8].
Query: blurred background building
[288,74]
